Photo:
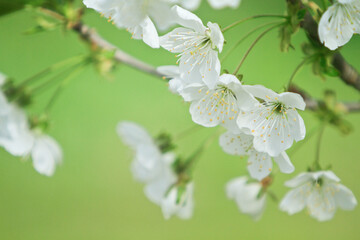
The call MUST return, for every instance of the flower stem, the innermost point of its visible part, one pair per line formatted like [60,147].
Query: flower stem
[187,131]
[189,163]
[244,38]
[57,92]
[297,69]
[252,46]
[316,165]
[50,69]
[62,74]
[249,18]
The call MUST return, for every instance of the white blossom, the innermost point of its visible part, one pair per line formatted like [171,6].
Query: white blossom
[219,105]
[20,140]
[274,122]
[46,154]
[136,16]
[247,196]
[15,134]
[181,206]
[147,164]
[338,24]
[259,164]
[196,45]
[217,4]
[320,192]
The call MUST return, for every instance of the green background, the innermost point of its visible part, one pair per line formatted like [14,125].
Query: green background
[93,195]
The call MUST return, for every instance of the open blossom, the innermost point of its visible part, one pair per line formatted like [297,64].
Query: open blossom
[46,154]
[219,105]
[155,170]
[274,122]
[196,45]
[259,164]
[338,24]
[320,192]
[181,206]
[19,140]
[147,164]
[217,4]
[247,196]
[136,16]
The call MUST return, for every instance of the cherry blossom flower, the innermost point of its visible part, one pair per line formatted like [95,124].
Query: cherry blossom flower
[136,16]
[274,122]
[339,23]
[46,154]
[19,140]
[219,105]
[259,164]
[154,168]
[147,164]
[247,196]
[196,45]
[320,192]
[181,206]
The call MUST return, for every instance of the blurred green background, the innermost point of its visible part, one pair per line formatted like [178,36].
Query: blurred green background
[93,195]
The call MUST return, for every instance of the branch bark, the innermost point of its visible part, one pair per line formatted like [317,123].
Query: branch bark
[348,74]
[314,104]
[91,36]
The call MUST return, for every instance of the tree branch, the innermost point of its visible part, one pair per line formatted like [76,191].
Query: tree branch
[314,104]
[348,74]
[91,36]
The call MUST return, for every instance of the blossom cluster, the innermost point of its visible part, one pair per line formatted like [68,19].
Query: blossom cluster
[22,140]
[259,123]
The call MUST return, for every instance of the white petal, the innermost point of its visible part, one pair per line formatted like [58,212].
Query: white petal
[259,165]
[292,100]
[299,180]
[216,35]
[46,154]
[190,4]
[262,92]
[294,201]
[160,13]
[338,24]
[327,175]
[233,187]
[235,144]
[133,134]
[321,205]
[147,164]
[284,163]
[183,209]
[147,32]
[15,134]
[188,19]
[344,198]
[156,189]
[217,4]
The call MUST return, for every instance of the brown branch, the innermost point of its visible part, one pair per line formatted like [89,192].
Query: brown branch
[91,36]
[314,104]
[348,74]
